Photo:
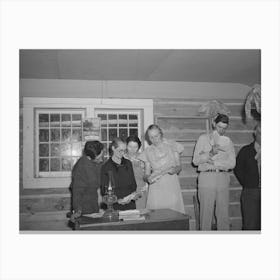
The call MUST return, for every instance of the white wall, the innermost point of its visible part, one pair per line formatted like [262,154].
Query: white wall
[130,89]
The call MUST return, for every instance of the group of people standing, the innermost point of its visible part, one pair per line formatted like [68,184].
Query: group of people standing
[148,179]
[214,155]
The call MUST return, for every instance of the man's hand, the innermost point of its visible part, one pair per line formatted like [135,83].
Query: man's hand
[214,150]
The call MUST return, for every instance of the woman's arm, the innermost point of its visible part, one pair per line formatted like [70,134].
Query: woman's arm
[147,172]
[178,166]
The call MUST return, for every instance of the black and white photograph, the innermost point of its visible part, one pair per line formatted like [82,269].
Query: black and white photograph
[175,145]
[131,144]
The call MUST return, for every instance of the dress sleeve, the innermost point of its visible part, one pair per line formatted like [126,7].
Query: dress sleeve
[176,147]
[143,156]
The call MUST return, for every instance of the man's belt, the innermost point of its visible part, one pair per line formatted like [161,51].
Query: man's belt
[215,170]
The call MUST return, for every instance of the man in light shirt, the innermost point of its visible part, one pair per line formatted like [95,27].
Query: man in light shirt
[214,155]
[248,173]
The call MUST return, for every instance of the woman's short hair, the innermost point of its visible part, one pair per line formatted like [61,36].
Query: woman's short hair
[115,143]
[151,127]
[221,118]
[134,138]
[93,149]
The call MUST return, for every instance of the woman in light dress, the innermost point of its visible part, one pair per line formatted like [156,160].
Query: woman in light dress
[162,164]
[133,146]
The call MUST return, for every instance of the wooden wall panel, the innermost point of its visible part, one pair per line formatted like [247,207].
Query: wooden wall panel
[184,107]
[176,123]
[41,203]
[237,137]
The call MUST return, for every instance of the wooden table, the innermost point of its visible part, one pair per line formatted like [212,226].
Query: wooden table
[162,219]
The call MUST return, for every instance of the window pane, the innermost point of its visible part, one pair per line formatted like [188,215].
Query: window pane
[55,135]
[43,120]
[43,165]
[123,133]
[133,131]
[66,134]
[133,120]
[55,120]
[44,135]
[133,117]
[44,150]
[123,122]
[133,124]
[66,164]
[77,120]
[112,134]
[77,149]
[60,140]
[66,120]
[55,149]
[65,149]
[55,164]
[77,135]
[103,118]
[103,134]
[113,120]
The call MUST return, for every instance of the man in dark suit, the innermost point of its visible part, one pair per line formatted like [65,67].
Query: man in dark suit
[248,173]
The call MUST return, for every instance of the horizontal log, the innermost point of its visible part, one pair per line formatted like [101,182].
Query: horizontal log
[200,124]
[54,220]
[41,204]
[237,137]
[188,151]
[45,226]
[179,123]
[45,191]
[184,107]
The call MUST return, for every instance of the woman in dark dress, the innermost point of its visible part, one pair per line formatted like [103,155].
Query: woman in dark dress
[86,180]
[123,179]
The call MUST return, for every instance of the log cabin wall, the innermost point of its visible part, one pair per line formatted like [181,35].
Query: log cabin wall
[47,208]
[180,121]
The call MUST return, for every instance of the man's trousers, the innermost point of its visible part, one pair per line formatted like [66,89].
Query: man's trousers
[251,208]
[213,188]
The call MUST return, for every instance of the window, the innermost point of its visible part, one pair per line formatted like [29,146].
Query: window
[58,141]
[53,134]
[116,123]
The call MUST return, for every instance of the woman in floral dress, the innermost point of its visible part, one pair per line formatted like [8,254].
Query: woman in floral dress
[162,164]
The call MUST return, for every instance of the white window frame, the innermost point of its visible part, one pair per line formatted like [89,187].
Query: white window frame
[137,112]
[89,105]
[36,155]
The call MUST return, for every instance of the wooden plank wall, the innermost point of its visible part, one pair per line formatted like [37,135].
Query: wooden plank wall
[179,121]
[45,209]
